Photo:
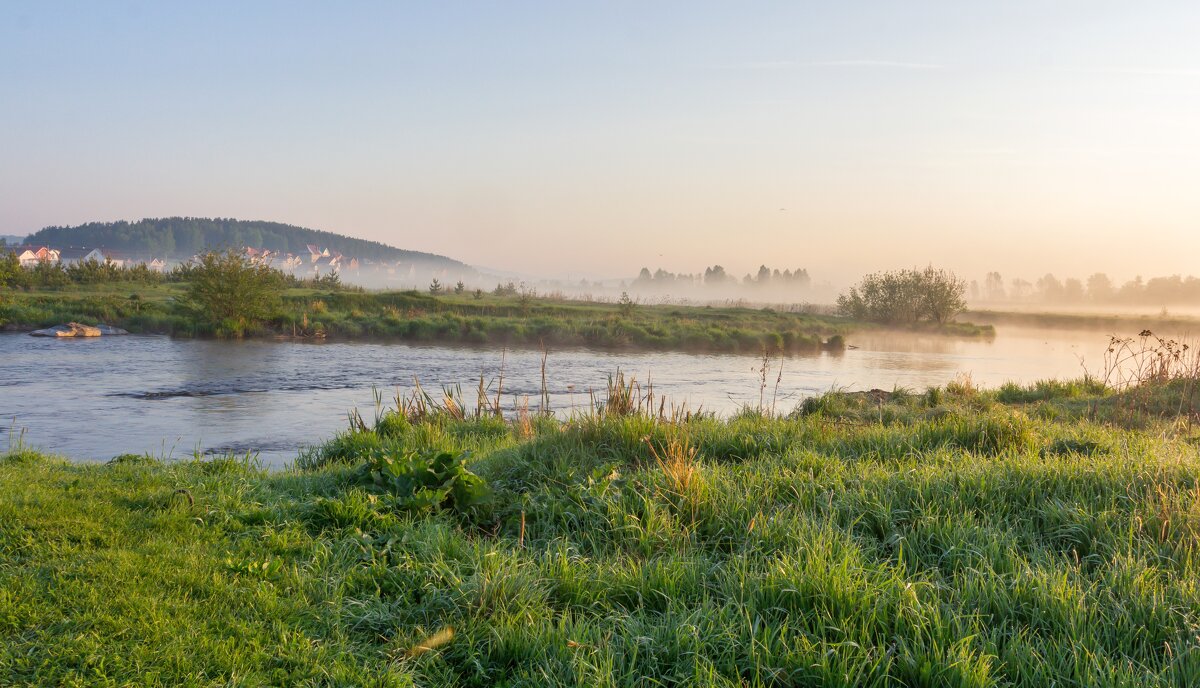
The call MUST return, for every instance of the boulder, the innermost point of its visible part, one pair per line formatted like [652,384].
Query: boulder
[72,329]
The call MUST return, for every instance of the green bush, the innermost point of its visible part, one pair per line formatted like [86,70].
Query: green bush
[231,294]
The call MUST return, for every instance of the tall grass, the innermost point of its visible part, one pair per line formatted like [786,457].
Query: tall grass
[892,538]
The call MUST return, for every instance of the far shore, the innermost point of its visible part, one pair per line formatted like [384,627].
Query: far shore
[1120,324]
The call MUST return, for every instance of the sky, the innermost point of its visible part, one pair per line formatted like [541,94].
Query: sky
[592,139]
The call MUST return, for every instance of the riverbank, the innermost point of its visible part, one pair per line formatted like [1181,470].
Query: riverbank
[1021,536]
[1113,323]
[463,318]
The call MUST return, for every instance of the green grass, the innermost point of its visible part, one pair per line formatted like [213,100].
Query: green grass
[943,538]
[460,319]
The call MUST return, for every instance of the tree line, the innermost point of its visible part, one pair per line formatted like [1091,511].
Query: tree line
[1098,288]
[717,276]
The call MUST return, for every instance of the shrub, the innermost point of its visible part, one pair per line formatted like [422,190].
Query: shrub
[905,297]
[625,304]
[227,291]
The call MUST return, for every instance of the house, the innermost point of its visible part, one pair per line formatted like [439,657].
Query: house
[157,265]
[258,256]
[317,252]
[72,256]
[325,264]
[32,255]
[117,259]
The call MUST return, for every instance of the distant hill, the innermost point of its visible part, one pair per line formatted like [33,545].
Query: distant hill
[12,239]
[183,237]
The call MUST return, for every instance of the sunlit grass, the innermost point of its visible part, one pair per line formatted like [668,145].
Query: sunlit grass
[899,539]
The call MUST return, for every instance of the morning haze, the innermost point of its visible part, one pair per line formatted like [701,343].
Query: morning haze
[569,140]
[620,344]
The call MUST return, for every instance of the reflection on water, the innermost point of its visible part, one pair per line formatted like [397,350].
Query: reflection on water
[95,398]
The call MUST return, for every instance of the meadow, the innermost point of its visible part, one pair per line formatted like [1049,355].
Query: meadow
[484,319]
[1023,536]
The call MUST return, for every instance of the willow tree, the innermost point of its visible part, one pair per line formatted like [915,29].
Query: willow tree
[905,297]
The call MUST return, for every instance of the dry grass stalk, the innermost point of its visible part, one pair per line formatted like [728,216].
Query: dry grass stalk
[676,458]
[523,422]
[431,643]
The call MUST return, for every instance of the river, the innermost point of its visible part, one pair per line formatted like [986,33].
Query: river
[91,399]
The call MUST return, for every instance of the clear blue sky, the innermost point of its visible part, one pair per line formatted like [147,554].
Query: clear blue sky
[597,138]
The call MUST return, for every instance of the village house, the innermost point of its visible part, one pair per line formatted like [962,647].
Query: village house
[30,256]
[316,252]
[71,256]
[118,259]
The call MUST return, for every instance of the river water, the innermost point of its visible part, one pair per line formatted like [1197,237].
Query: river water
[92,399]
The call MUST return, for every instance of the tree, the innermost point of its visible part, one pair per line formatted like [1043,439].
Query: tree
[1050,288]
[941,295]
[716,275]
[460,287]
[993,287]
[230,294]
[11,274]
[1072,290]
[1021,289]
[1100,287]
[435,287]
[905,297]
[1132,290]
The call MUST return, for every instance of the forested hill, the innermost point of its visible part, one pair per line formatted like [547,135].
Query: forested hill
[182,237]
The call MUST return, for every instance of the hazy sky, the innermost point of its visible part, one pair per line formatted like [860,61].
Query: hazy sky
[563,137]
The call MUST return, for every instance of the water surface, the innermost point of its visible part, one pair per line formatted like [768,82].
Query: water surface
[96,398]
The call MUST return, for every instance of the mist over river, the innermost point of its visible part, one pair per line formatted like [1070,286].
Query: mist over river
[91,399]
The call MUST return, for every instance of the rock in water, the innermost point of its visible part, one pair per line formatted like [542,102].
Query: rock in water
[79,330]
[72,329]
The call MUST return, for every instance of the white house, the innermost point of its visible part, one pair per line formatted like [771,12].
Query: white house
[32,255]
[114,258]
[70,256]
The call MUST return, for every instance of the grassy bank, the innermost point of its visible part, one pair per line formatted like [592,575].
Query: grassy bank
[1108,323]
[1026,536]
[488,319]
